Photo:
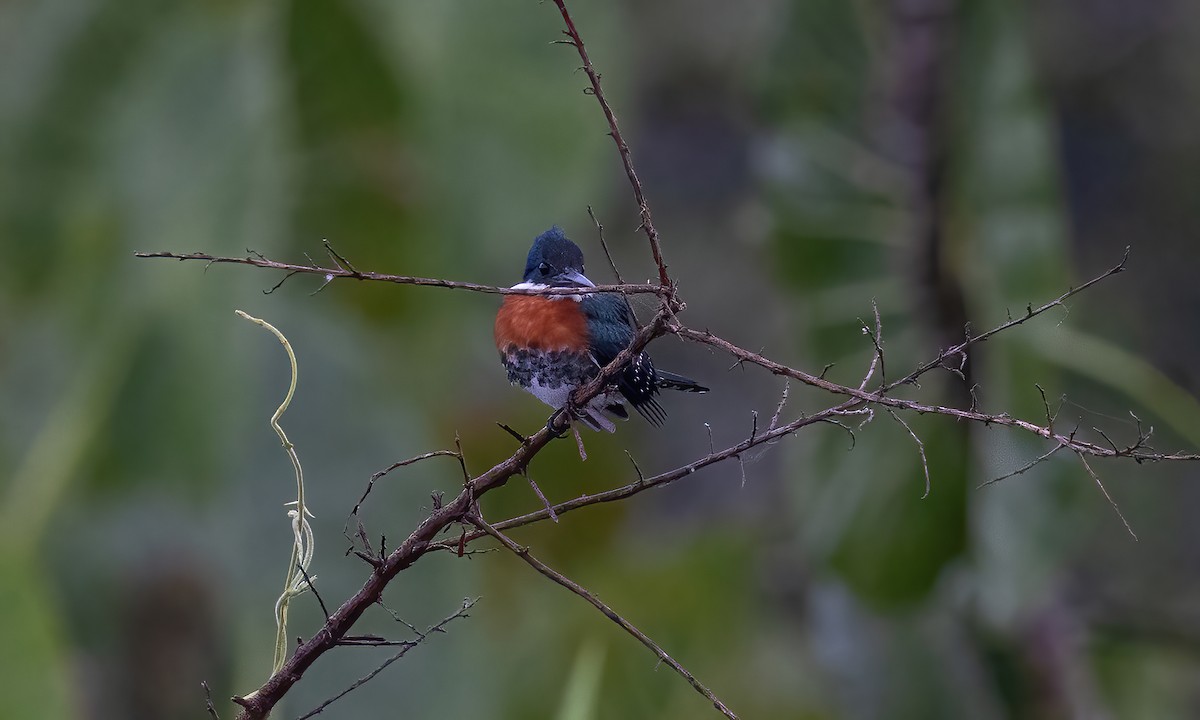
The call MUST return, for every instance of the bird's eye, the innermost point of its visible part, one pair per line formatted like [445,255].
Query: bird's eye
[544,268]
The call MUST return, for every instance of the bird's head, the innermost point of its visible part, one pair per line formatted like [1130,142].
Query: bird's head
[555,261]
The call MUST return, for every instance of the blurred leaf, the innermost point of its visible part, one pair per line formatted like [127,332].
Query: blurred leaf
[355,184]
[895,545]
[56,457]
[825,38]
[32,658]
[582,692]
[53,151]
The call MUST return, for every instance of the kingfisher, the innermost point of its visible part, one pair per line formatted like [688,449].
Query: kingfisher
[552,344]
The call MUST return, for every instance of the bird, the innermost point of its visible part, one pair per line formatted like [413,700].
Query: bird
[552,344]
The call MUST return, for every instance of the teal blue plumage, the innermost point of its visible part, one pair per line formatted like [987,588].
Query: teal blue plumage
[611,328]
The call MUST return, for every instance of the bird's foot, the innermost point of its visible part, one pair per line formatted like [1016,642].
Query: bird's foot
[554,418]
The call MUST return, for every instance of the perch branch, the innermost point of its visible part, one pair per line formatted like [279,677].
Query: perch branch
[421,540]
[257,260]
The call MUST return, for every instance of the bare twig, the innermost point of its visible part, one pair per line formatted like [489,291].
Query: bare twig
[1030,313]
[643,638]
[396,466]
[683,471]
[638,470]
[208,703]
[279,284]
[920,448]
[877,341]
[1046,405]
[647,224]
[405,647]
[579,443]
[1024,468]
[783,398]
[1113,503]
[313,589]
[337,258]
[257,260]
[519,437]
[607,254]
[847,428]
[538,491]
[1138,451]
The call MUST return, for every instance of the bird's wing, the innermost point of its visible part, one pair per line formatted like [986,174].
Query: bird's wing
[610,323]
[611,328]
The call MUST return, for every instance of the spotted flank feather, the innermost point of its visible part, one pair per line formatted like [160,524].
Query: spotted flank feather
[611,328]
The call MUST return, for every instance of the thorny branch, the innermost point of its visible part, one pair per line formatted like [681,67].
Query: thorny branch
[421,540]
[647,225]
[345,270]
[463,508]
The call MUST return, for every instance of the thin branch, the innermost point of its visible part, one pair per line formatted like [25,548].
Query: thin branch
[638,470]
[313,589]
[538,491]
[330,274]
[607,254]
[373,641]
[1113,503]
[877,341]
[396,616]
[337,258]
[1136,452]
[643,638]
[783,398]
[279,284]
[1030,313]
[645,483]
[519,437]
[406,646]
[396,466]
[208,703]
[847,428]
[1046,405]
[1024,468]
[920,448]
[647,224]
[579,443]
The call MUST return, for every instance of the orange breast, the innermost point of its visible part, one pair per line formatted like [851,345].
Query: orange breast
[529,321]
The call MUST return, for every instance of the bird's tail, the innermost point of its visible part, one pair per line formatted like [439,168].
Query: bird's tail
[672,381]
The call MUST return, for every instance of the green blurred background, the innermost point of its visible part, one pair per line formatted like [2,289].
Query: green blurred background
[951,160]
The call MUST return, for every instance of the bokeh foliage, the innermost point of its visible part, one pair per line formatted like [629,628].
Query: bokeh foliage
[142,513]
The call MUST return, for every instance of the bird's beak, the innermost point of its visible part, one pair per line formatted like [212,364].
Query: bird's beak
[576,279]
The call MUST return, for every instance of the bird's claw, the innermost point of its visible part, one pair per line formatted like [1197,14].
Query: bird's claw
[550,424]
